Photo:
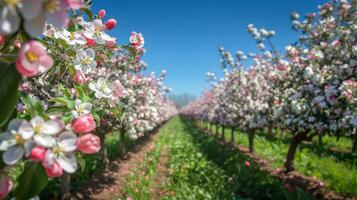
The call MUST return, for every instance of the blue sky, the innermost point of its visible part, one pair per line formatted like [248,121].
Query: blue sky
[183,36]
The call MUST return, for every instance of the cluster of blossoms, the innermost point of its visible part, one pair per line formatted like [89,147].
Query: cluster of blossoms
[308,90]
[75,84]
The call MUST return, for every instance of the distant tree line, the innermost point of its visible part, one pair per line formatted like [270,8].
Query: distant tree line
[181,99]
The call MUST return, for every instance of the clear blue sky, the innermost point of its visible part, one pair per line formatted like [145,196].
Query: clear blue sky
[182,36]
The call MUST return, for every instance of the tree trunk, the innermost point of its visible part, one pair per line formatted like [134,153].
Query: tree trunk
[103,150]
[354,144]
[270,132]
[294,143]
[320,141]
[232,135]
[217,127]
[251,133]
[65,186]
[122,141]
[210,128]
[222,134]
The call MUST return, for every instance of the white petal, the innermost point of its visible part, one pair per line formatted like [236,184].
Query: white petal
[26,130]
[13,155]
[14,125]
[6,141]
[99,94]
[67,141]
[9,20]
[87,107]
[35,26]
[44,140]
[52,127]
[30,8]
[37,121]
[92,86]
[99,40]
[90,53]
[68,162]
[81,54]
[28,147]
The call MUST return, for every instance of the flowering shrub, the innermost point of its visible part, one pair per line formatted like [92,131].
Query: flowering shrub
[62,92]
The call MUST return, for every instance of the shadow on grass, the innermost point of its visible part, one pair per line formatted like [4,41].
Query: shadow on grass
[249,181]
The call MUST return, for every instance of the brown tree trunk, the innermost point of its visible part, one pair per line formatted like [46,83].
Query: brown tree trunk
[217,127]
[251,133]
[270,132]
[122,141]
[103,150]
[222,134]
[320,141]
[65,186]
[354,144]
[232,135]
[294,143]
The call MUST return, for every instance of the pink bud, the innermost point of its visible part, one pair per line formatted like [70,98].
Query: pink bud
[5,185]
[101,13]
[83,124]
[110,24]
[37,154]
[17,44]
[118,88]
[111,43]
[53,170]
[80,78]
[90,42]
[247,163]
[88,144]
[2,40]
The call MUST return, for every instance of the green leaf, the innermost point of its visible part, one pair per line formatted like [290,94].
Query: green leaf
[79,91]
[9,94]
[31,182]
[63,101]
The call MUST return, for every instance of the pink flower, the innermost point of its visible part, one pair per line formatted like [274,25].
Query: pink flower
[137,40]
[88,144]
[37,154]
[110,24]
[83,124]
[118,88]
[80,78]
[2,40]
[75,4]
[247,163]
[33,59]
[110,43]
[53,169]
[101,13]
[5,185]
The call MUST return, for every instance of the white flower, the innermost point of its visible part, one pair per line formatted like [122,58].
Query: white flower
[63,152]
[85,61]
[82,108]
[16,141]
[44,131]
[95,32]
[71,38]
[9,17]
[101,88]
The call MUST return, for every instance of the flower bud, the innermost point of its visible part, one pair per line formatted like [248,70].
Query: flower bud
[88,144]
[110,24]
[37,154]
[101,13]
[83,124]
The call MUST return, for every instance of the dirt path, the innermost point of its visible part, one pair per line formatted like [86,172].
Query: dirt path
[108,183]
[160,178]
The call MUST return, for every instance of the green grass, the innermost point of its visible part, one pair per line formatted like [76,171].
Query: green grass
[202,168]
[338,169]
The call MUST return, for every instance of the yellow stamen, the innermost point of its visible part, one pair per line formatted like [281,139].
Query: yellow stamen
[19,139]
[12,3]
[32,57]
[38,129]
[57,150]
[86,61]
[52,6]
